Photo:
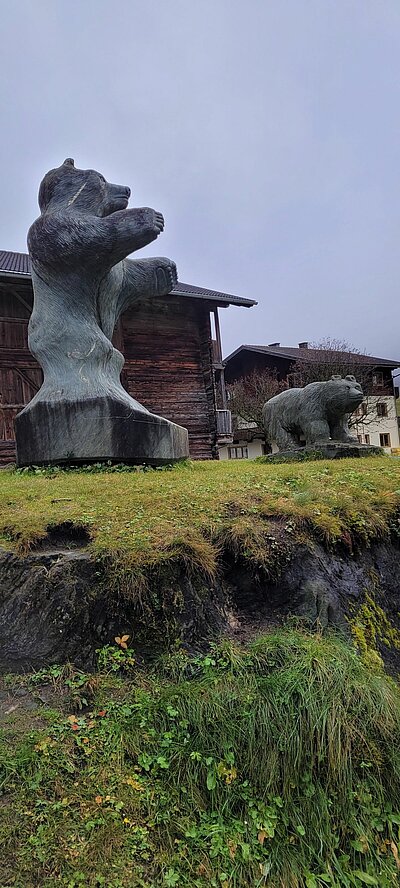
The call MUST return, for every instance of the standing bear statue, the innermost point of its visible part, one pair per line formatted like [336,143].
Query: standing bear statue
[82,282]
[315,414]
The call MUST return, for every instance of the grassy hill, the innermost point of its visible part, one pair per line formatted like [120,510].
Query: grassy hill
[141,518]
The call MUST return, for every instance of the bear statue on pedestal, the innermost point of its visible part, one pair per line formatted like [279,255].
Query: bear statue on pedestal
[82,282]
[315,414]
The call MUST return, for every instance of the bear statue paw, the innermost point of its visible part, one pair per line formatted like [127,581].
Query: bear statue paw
[153,221]
[149,222]
[167,276]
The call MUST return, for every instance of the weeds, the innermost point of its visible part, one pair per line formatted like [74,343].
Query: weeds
[275,765]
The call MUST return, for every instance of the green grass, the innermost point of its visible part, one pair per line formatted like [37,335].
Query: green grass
[276,765]
[141,520]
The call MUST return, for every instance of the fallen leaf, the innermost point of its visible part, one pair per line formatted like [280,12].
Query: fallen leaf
[121,640]
[395,853]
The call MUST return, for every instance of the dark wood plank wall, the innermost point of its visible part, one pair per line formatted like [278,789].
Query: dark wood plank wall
[20,375]
[167,346]
[168,350]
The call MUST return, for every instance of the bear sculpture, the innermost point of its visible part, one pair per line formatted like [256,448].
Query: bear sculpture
[82,282]
[315,414]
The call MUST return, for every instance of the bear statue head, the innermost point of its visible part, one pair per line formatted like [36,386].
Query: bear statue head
[344,395]
[81,191]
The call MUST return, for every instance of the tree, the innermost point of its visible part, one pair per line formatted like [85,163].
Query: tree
[248,395]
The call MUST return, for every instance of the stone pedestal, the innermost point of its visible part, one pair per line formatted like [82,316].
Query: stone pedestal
[96,430]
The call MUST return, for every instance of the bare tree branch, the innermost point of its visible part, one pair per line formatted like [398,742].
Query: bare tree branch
[248,395]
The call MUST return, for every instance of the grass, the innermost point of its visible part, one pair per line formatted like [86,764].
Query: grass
[274,765]
[140,520]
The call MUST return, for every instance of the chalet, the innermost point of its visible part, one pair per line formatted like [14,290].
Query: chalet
[380,427]
[172,348]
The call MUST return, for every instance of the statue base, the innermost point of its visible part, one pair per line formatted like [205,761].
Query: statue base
[96,430]
[328,450]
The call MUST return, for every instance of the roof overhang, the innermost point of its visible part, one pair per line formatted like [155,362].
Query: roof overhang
[366,360]
[16,266]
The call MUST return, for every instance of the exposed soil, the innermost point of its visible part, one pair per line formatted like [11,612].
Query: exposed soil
[56,604]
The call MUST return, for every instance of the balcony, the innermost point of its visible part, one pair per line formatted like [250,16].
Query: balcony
[224,426]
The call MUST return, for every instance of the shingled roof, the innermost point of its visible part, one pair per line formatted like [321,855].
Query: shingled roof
[309,354]
[15,263]
[215,295]
[18,265]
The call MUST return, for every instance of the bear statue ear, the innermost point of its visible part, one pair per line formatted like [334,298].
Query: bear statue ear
[351,378]
[69,161]
[336,376]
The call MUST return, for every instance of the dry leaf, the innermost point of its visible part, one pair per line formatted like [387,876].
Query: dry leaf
[262,835]
[395,853]
[232,849]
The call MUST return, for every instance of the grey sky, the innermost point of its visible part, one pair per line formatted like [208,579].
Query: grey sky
[267,132]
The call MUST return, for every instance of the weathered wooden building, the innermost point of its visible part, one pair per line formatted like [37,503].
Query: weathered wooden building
[172,348]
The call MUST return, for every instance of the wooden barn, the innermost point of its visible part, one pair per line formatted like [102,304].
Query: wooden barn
[172,349]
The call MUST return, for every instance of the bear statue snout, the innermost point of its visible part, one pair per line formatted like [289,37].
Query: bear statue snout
[356,398]
[120,191]
[116,199]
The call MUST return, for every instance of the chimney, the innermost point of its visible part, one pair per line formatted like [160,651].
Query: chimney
[303,344]
[273,344]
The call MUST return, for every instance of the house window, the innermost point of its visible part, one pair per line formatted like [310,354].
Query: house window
[367,439]
[385,440]
[359,438]
[238,453]
[381,409]
[377,379]
[361,410]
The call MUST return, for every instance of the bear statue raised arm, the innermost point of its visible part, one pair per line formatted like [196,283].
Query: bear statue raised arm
[82,282]
[315,414]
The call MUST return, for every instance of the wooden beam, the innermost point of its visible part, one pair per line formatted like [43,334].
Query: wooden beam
[26,379]
[16,295]
[21,299]
[218,334]
[222,387]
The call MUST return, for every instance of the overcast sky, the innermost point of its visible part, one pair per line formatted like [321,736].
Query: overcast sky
[266,131]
